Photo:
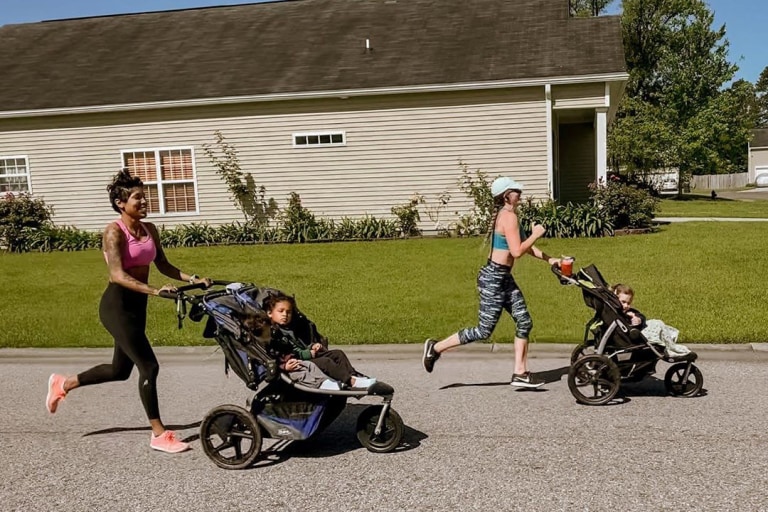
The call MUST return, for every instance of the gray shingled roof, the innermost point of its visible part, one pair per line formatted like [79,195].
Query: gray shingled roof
[759,138]
[297,46]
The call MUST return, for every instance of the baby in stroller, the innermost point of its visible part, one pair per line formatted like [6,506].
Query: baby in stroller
[655,331]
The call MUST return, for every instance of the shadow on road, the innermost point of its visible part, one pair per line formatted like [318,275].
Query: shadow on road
[548,376]
[114,430]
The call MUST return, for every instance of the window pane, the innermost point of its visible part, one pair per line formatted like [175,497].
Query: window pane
[13,184]
[141,164]
[176,164]
[337,138]
[325,139]
[312,139]
[153,199]
[179,197]
[301,140]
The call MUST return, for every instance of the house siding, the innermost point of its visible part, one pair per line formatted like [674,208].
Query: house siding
[587,95]
[395,146]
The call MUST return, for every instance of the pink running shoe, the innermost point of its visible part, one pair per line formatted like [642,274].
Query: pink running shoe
[56,392]
[167,442]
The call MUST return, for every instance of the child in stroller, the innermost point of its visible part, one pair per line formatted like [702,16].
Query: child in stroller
[282,408]
[615,350]
[292,349]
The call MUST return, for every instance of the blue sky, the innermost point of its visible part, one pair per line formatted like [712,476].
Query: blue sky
[744,19]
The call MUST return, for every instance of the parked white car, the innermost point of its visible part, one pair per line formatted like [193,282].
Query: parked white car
[761,180]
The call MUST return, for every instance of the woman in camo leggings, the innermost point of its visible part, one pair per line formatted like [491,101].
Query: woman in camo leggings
[498,289]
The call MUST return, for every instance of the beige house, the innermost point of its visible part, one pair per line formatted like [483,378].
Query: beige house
[758,156]
[356,106]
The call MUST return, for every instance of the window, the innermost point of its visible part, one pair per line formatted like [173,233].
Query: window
[14,174]
[317,139]
[168,176]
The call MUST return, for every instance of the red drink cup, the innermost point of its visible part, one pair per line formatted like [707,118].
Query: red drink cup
[566,266]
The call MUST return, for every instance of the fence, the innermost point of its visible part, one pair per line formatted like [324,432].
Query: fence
[720,181]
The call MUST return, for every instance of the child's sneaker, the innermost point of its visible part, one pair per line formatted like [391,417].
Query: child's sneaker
[363,382]
[56,392]
[167,442]
[526,380]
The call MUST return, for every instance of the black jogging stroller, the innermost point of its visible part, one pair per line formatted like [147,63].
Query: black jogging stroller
[280,408]
[613,351]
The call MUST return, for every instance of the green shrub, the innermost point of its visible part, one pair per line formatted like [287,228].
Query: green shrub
[408,217]
[565,221]
[20,216]
[477,188]
[297,223]
[626,205]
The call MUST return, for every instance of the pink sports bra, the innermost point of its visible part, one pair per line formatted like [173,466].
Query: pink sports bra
[136,253]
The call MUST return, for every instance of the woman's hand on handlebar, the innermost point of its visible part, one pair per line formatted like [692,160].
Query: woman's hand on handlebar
[207,281]
[554,261]
[168,289]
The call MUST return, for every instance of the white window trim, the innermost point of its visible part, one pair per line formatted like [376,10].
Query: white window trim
[28,174]
[161,196]
[318,134]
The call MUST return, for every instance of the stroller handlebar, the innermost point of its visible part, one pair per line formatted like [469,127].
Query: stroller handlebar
[559,273]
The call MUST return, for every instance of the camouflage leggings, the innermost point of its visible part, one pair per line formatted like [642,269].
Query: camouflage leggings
[498,291]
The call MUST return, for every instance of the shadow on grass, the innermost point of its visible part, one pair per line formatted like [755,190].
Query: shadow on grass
[699,198]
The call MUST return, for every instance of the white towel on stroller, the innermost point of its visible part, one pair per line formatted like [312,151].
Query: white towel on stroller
[659,333]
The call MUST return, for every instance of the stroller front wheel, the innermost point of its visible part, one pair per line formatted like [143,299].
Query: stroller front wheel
[391,430]
[594,379]
[231,437]
[679,384]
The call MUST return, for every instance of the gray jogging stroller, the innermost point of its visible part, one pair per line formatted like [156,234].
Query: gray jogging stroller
[280,408]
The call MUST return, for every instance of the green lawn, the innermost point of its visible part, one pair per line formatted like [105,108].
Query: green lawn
[704,278]
[692,205]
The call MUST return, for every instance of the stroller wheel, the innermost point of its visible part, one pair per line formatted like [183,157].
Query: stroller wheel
[594,380]
[230,436]
[678,384]
[582,350]
[391,430]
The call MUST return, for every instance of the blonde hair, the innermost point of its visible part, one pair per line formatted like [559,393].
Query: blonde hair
[623,288]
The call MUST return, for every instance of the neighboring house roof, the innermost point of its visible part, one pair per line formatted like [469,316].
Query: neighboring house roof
[298,46]
[759,138]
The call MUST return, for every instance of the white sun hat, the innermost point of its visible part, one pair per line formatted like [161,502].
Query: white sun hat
[504,183]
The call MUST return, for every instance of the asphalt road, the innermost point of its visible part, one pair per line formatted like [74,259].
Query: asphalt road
[472,442]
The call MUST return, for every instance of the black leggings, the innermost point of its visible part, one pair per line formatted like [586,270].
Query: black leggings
[124,313]
[336,365]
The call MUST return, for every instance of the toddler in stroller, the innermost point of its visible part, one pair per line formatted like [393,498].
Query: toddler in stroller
[294,350]
[282,408]
[615,350]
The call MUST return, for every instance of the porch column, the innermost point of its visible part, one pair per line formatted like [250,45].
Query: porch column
[601,138]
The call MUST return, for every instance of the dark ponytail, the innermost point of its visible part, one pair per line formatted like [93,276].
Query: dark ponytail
[121,186]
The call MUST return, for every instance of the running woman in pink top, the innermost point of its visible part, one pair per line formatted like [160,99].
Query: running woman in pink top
[130,246]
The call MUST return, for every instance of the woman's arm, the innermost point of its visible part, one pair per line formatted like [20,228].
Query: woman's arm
[538,253]
[511,228]
[113,242]
[166,267]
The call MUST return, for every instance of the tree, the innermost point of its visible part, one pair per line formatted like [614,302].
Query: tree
[676,112]
[761,99]
[587,8]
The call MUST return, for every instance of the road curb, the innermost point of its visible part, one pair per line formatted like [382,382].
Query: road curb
[536,350]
